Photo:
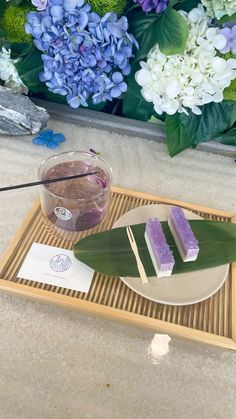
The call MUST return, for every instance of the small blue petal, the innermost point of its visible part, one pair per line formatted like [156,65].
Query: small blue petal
[74,102]
[114,29]
[31,17]
[80,3]
[59,138]
[83,20]
[57,12]
[52,144]
[117,77]
[123,87]
[119,57]
[115,92]
[69,5]
[28,28]
[46,134]
[46,131]
[47,75]
[39,140]
[126,70]
[37,31]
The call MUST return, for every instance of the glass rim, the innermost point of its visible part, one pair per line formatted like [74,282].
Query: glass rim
[88,153]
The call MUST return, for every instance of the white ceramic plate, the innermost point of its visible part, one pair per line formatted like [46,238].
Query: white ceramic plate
[179,289]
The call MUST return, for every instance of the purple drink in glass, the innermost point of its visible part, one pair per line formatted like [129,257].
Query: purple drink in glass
[75,204]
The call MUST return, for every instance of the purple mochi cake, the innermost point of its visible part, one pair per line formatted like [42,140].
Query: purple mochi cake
[160,253]
[182,233]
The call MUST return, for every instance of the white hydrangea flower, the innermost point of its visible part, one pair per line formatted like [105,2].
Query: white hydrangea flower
[219,8]
[9,74]
[179,82]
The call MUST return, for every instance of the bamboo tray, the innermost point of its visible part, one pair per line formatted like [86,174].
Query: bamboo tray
[212,321]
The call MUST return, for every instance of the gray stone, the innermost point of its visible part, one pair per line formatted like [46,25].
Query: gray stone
[18,115]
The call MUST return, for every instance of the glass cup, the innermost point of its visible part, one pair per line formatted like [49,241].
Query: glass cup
[78,204]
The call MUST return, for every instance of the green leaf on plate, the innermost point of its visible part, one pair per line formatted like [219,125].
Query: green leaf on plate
[110,253]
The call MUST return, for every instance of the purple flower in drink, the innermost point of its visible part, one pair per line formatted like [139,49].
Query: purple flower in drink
[84,55]
[40,4]
[49,138]
[148,5]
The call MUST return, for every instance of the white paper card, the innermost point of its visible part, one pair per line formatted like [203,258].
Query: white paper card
[56,266]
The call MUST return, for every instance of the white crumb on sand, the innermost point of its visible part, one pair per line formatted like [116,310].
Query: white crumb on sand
[159,347]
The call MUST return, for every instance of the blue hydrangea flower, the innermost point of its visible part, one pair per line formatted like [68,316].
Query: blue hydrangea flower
[49,138]
[84,55]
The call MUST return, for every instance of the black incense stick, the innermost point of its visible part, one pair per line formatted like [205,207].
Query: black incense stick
[45,181]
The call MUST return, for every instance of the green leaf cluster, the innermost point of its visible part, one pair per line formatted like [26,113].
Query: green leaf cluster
[170,31]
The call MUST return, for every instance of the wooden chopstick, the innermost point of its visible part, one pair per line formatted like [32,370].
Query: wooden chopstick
[134,247]
[45,181]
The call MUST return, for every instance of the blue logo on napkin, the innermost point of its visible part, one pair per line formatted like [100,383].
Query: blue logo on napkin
[60,263]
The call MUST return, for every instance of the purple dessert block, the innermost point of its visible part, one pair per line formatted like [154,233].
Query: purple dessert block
[182,233]
[161,255]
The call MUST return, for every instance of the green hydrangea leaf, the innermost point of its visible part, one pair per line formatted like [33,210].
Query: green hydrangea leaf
[228,138]
[134,105]
[20,49]
[177,137]
[3,6]
[17,2]
[2,33]
[29,68]
[226,19]
[172,32]
[169,30]
[187,5]
[215,119]
[144,27]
